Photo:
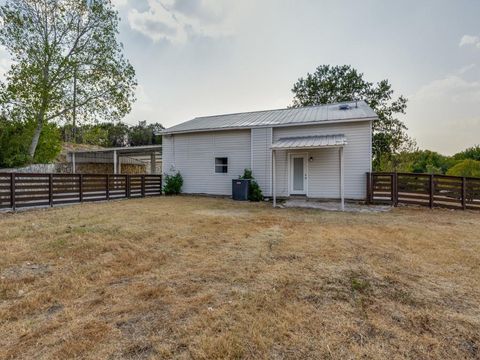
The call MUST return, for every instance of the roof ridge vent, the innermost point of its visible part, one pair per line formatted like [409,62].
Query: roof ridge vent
[344,107]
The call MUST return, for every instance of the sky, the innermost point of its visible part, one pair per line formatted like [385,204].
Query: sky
[207,57]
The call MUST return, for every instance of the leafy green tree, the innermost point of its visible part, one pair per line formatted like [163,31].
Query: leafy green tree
[110,134]
[420,161]
[330,84]
[13,147]
[94,135]
[14,143]
[401,162]
[143,134]
[427,161]
[117,133]
[67,63]
[468,167]
[49,143]
[470,153]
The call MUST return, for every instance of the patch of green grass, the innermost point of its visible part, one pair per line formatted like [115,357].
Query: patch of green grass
[359,285]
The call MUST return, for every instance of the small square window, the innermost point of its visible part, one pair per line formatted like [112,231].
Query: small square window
[221,165]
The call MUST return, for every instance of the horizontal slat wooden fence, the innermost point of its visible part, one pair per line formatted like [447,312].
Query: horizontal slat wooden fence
[18,190]
[423,189]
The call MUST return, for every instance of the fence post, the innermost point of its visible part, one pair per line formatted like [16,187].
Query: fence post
[464,193]
[395,189]
[12,191]
[127,185]
[368,188]
[143,185]
[432,184]
[80,187]
[107,186]
[50,190]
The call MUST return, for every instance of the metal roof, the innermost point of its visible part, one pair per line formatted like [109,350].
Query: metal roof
[356,111]
[308,142]
[139,155]
[127,150]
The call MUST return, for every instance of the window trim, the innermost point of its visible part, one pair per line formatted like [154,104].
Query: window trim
[226,165]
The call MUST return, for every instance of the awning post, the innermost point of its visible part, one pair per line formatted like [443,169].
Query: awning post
[274,175]
[73,163]
[342,179]
[153,164]
[114,161]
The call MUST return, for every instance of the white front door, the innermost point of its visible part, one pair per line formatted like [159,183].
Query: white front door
[298,174]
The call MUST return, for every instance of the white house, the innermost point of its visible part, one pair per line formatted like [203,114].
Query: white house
[318,151]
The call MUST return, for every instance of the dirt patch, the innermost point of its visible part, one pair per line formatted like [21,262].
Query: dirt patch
[25,271]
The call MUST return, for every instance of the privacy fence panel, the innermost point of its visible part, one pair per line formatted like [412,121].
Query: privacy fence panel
[423,189]
[5,200]
[31,190]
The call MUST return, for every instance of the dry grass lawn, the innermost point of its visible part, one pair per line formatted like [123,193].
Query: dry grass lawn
[205,278]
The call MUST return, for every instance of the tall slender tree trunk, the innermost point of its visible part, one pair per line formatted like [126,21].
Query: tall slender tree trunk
[74,120]
[40,115]
[36,136]
[38,129]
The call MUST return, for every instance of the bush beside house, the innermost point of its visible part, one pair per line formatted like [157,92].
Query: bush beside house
[254,191]
[173,183]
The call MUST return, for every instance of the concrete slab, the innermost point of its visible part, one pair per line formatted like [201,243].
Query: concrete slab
[333,206]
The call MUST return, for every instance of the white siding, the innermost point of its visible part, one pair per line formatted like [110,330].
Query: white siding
[324,170]
[262,158]
[194,156]
[167,153]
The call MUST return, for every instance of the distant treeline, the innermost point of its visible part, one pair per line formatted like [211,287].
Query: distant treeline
[15,137]
[113,134]
[464,163]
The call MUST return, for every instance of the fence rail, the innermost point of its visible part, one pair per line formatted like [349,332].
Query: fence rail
[18,190]
[423,189]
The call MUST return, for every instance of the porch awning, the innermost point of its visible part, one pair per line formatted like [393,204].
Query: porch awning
[310,142]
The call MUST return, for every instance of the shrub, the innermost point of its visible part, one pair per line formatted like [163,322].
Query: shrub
[468,167]
[254,191]
[173,183]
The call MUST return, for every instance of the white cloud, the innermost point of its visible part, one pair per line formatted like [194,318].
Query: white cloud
[470,40]
[205,10]
[157,23]
[453,87]
[466,69]
[176,20]
[120,3]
